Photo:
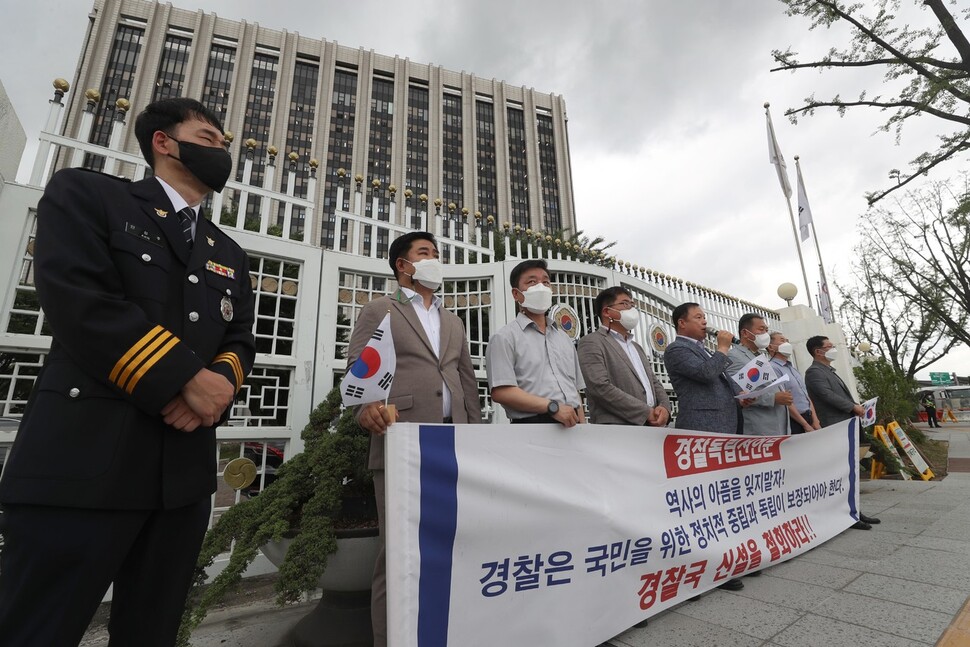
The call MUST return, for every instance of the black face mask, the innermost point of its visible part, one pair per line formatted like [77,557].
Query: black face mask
[212,165]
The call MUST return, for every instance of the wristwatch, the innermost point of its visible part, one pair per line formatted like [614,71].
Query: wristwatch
[553,408]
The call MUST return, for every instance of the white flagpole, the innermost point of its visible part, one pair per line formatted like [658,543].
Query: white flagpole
[818,250]
[775,157]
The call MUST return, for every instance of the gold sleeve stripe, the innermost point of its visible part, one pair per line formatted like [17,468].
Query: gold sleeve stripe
[150,354]
[233,360]
[135,348]
[150,363]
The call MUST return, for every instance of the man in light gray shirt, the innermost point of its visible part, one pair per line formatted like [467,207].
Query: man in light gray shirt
[533,369]
[766,414]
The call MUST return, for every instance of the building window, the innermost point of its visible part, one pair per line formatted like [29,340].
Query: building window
[118,79]
[552,216]
[416,171]
[256,125]
[518,168]
[299,137]
[453,179]
[340,153]
[218,79]
[485,140]
[171,69]
[379,156]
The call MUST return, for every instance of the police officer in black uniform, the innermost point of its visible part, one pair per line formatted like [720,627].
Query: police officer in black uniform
[111,476]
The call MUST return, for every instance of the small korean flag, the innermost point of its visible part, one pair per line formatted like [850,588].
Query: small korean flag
[756,373]
[369,378]
[869,412]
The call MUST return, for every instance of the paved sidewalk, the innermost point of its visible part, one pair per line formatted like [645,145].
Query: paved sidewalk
[904,583]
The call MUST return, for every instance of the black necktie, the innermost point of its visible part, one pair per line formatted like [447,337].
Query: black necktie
[186,217]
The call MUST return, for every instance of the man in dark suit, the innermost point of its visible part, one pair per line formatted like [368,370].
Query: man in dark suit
[621,388]
[434,380]
[705,395]
[833,402]
[110,478]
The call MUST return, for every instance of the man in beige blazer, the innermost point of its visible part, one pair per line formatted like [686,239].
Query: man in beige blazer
[434,381]
[621,388]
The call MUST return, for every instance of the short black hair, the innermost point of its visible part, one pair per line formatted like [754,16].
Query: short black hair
[607,298]
[744,323]
[166,114]
[531,264]
[402,245]
[681,311]
[814,343]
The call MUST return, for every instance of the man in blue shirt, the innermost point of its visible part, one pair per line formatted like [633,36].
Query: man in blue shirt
[801,411]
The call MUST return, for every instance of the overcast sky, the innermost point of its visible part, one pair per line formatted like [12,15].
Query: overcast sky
[664,100]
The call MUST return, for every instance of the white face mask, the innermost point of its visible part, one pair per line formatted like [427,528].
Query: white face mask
[538,298]
[762,341]
[785,349]
[628,318]
[831,354]
[428,272]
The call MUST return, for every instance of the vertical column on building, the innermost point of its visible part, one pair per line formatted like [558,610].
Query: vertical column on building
[503,189]
[328,65]
[564,170]
[534,184]
[399,135]
[469,143]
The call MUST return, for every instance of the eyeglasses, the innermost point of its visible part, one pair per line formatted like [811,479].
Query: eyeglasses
[623,305]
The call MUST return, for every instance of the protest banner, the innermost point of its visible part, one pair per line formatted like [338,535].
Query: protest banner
[539,535]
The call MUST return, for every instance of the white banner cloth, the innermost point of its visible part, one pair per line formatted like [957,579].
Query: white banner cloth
[538,535]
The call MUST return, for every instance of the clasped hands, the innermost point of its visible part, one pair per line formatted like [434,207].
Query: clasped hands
[200,403]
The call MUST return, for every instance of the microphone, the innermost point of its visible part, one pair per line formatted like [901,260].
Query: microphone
[713,335]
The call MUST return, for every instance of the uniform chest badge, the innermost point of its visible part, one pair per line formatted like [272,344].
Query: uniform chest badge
[212,243]
[161,213]
[221,270]
[225,306]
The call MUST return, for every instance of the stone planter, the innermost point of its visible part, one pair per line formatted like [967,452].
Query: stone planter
[348,569]
[342,616]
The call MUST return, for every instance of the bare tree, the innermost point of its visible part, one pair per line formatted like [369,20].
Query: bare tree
[923,247]
[903,333]
[925,71]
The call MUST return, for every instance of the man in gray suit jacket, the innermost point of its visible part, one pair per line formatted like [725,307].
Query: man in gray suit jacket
[766,415]
[434,381]
[621,388]
[705,396]
[833,402]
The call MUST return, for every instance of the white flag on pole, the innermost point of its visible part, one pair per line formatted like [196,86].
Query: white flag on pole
[824,302]
[369,378]
[869,412]
[776,158]
[804,211]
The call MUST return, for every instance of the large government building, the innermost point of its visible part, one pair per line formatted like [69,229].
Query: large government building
[477,144]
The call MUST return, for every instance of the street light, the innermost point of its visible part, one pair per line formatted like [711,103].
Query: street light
[788,291]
